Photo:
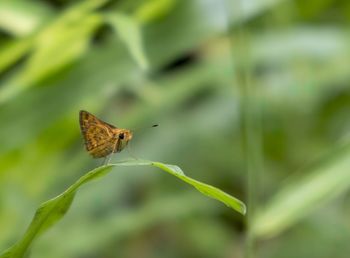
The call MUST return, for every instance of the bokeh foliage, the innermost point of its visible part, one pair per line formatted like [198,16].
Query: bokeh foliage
[252,96]
[53,210]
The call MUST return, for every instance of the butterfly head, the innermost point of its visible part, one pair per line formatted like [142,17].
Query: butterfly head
[125,135]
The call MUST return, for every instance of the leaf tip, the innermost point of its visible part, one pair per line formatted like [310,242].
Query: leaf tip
[243,209]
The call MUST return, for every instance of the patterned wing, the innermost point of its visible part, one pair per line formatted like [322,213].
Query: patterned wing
[98,135]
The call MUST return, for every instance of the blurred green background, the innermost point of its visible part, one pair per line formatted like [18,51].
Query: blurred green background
[251,96]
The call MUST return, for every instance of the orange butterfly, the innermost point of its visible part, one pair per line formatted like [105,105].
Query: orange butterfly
[101,138]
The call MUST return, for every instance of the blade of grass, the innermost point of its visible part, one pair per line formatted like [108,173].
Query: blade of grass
[205,189]
[129,30]
[52,211]
[303,195]
[62,42]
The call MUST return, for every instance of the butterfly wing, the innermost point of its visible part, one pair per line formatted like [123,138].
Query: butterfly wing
[98,135]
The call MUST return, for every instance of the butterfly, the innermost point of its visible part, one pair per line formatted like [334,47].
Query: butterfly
[102,139]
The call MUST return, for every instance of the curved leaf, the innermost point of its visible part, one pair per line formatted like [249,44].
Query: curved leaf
[304,194]
[205,189]
[53,210]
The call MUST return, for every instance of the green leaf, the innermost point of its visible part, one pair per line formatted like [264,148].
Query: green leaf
[21,18]
[129,30]
[205,189]
[153,10]
[301,197]
[13,51]
[52,211]
[74,28]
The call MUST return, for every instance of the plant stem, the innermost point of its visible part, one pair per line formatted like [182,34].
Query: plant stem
[251,129]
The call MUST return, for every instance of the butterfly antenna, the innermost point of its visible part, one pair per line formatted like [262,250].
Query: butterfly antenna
[145,127]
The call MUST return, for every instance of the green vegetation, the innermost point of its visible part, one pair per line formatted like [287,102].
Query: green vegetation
[53,210]
[252,96]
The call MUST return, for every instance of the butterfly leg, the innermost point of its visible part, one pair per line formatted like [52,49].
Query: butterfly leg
[104,161]
[109,158]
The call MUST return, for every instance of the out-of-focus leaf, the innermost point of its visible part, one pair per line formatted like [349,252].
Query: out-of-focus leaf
[13,51]
[129,30]
[53,210]
[247,9]
[153,10]
[298,199]
[22,18]
[56,46]
[57,49]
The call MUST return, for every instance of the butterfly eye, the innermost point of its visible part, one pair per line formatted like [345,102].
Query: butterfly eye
[121,136]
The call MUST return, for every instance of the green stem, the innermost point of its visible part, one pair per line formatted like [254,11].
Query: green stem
[250,121]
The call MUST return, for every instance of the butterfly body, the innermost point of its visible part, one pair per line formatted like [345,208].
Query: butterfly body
[102,139]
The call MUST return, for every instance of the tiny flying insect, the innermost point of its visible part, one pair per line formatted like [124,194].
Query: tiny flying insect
[102,139]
